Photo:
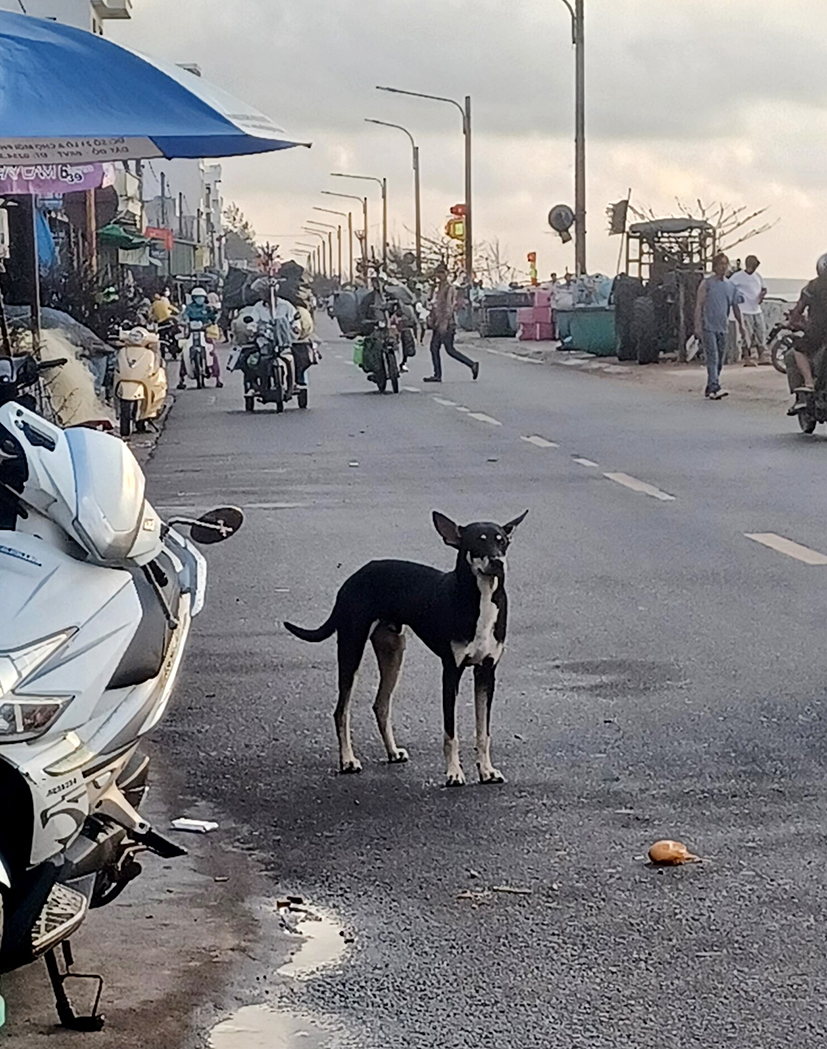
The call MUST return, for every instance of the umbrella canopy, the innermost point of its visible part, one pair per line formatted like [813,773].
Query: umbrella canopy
[68,96]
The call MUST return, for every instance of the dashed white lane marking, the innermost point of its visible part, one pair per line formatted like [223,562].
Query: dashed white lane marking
[585,462]
[460,408]
[540,442]
[483,418]
[788,547]
[338,356]
[446,402]
[412,389]
[641,486]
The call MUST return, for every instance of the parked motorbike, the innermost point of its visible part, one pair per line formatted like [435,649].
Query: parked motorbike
[140,380]
[98,599]
[196,351]
[781,339]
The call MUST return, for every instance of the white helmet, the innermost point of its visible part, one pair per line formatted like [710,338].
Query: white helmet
[821,265]
[198,292]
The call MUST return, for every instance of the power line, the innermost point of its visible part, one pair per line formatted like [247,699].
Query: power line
[22,7]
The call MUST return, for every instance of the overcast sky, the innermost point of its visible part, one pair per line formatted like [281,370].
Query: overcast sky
[717,99]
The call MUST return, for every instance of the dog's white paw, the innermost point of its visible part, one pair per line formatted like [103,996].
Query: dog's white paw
[491,775]
[456,778]
[399,756]
[350,767]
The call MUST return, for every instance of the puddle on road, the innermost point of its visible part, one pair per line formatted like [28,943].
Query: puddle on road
[616,676]
[260,1027]
[320,943]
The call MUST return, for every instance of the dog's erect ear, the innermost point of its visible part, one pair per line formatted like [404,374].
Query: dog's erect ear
[509,528]
[450,532]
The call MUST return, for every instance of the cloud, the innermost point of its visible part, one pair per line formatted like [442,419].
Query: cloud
[685,97]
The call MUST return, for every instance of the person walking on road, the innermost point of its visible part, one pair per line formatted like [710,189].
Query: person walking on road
[753,291]
[716,297]
[444,327]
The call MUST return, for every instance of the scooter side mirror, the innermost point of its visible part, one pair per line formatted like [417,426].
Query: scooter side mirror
[217,525]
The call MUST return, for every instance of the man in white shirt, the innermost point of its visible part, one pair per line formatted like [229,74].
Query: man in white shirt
[750,284]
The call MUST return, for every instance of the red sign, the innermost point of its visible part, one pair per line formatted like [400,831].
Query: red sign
[164,235]
[459,210]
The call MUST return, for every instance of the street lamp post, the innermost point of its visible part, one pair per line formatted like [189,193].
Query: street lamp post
[323,239]
[578,38]
[466,130]
[349,216]
[383,185]
[364,202]
[417,191]
[330,228]
[312,255]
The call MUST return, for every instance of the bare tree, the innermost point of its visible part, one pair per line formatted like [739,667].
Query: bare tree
[733,225]
[238,222]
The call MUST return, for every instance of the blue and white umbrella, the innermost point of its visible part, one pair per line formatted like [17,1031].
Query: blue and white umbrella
[68,96]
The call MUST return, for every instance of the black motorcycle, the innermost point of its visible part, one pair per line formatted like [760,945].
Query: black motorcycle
[269,372]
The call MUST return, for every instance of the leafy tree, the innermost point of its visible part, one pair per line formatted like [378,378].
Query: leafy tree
[237,221]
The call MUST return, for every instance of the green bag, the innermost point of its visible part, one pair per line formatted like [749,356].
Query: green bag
[358,351]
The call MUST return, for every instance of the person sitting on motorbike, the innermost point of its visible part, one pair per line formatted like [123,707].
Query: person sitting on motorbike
[269,311]
[200,311]
[810,316]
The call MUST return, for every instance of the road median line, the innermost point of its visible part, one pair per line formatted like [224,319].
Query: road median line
[640,486]
[788,547]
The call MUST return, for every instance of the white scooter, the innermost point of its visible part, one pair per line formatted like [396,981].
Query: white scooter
[98,594]
[140,380]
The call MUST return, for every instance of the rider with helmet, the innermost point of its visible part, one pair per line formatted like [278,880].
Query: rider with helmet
[199,310]
[810,316]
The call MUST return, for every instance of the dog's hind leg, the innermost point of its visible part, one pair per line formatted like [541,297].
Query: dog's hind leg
[451,675]
[389,646]
[351,647]
[484,677]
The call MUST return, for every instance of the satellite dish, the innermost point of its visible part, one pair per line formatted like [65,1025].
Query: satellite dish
[561,218]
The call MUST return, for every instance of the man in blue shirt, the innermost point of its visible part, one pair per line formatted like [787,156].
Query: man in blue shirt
[716,297]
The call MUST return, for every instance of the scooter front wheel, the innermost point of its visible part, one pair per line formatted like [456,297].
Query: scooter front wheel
[127,412]
[249,402]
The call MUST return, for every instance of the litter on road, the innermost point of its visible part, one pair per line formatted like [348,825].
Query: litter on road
[193,826]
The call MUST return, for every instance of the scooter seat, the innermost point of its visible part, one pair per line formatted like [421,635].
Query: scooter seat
[144,658]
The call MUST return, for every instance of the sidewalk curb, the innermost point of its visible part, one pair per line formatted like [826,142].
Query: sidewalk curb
[143,445]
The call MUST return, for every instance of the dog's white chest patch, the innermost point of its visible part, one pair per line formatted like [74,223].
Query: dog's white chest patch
[484,644]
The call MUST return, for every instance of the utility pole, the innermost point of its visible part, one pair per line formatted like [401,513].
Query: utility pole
[469,228]
[164,215]
[580,139]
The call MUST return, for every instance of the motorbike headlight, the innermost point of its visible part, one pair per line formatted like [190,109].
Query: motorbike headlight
[24,717]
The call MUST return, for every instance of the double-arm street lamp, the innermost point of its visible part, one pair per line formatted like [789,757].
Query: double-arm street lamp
[383,185]
[578,38]
[349,216]
[364,202]
[328,226]
[417,194]
[465,111]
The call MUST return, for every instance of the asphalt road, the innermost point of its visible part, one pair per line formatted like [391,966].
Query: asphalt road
[663,678]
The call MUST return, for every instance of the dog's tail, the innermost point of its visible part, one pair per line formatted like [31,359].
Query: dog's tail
[325,631]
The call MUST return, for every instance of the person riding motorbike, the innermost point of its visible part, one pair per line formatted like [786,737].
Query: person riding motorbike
[810,317]
[199,310]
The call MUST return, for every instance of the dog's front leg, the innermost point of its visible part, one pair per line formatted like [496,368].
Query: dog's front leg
[451,675]
[484,677]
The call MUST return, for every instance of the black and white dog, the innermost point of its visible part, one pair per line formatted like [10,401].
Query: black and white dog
[461,616]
